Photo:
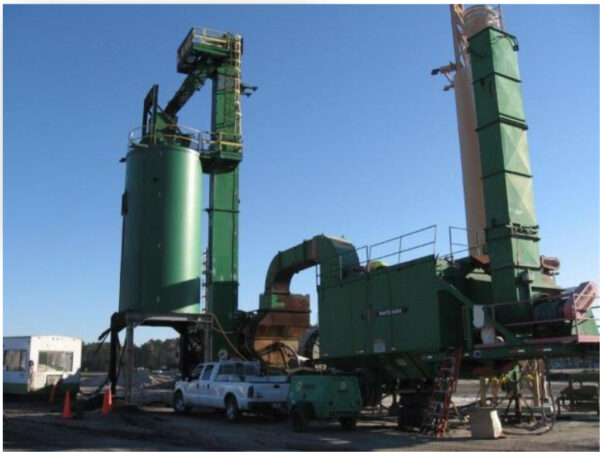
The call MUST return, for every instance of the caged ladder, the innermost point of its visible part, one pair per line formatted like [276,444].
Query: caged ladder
[436,418]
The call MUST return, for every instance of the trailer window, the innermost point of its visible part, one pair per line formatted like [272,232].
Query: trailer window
[55,361]
[15,360]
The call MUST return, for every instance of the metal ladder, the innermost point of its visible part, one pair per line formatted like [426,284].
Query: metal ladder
[237,81]
[436,418]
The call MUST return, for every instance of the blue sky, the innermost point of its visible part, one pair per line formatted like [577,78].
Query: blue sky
[348,135]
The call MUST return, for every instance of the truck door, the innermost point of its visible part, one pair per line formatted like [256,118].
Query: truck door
[223,375]
[192,389]
[204,393]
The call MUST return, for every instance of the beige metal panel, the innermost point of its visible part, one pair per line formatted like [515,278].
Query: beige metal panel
[466,22]
[470,160]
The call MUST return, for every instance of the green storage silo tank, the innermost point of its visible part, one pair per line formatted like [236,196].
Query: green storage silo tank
[161,208]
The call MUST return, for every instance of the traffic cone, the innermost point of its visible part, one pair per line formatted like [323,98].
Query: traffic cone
[107,402]
[66,413]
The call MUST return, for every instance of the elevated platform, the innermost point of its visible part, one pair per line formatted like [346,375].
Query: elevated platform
[201,42]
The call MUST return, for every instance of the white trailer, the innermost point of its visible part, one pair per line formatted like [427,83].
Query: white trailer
[34,364]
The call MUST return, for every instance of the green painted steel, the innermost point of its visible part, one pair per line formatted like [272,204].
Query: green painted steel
[224,198]
[512,230]
[381,312]
[334,256]
[329,395]
[160,258]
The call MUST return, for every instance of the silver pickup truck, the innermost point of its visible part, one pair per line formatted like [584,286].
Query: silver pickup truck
[234,386]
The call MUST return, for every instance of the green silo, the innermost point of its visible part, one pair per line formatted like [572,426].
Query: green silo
[161,208]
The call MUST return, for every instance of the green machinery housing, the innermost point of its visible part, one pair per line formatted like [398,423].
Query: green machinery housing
[394,324]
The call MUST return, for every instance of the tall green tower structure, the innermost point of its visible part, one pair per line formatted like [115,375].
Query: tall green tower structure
[512,230]
[162,208]
[223,209]
[209,55]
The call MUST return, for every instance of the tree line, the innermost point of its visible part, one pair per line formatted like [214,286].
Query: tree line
[154,354]
[164,354]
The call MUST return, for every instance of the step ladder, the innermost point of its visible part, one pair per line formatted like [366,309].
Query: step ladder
[436,417]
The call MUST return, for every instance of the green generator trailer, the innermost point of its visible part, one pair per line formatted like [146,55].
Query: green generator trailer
[324,396]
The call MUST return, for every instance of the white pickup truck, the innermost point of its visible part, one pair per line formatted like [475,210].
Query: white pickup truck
[235,386]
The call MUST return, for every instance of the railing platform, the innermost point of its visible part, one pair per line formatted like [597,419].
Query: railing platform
[197,140]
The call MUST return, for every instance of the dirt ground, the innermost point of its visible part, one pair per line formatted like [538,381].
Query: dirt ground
[154,426]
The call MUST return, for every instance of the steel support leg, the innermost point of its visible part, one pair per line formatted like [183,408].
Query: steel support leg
[114,356]
[208,343]
[129,362]
[184,346]
[115,327]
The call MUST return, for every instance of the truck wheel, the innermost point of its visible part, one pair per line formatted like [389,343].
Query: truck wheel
[179,404]
[348,423]
[299,419]
[232,412]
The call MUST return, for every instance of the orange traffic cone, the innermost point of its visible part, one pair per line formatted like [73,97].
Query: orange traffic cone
[66,413]
[107,402]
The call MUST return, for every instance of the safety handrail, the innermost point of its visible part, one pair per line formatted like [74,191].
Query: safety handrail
[400,249]
[479,244]
[370,255]
[199,140]
[204,35]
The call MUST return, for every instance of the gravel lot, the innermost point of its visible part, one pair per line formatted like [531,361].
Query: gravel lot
[37,425]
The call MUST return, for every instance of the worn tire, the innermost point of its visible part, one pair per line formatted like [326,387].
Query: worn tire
[299,419]
[178,403]
[232,411]
[348,423]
